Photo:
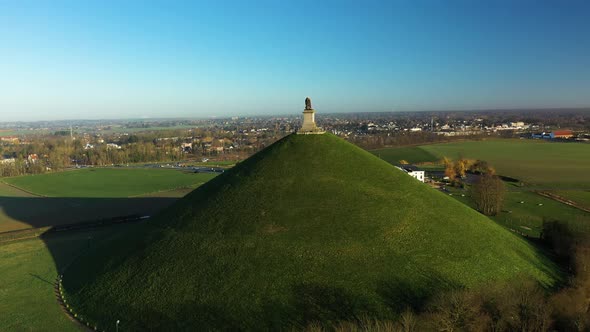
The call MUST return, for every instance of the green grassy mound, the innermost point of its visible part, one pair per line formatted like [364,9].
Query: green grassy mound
[310,229]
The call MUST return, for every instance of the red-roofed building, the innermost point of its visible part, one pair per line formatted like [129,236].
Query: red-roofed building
[562,134]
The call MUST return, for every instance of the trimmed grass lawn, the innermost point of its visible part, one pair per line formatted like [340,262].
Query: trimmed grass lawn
[537,163]
[107,182]
[412,155]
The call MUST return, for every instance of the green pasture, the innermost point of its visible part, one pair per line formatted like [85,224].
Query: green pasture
[527,217]
[21,132]
[537,163]
[107,182]
[580,197]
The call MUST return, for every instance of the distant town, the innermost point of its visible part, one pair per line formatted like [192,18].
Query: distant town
[35,147]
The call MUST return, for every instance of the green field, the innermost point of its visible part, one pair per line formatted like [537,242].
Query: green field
[310,229]
[107,182]
[537,163]
[91,194]
[580,197]
[22,132]
[412,155]
[527,217]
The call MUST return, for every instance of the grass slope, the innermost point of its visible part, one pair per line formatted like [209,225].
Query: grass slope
[107,182]
[310,229]
[541,163]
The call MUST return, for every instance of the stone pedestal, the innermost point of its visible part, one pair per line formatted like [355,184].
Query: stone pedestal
[309,126]
[308,121]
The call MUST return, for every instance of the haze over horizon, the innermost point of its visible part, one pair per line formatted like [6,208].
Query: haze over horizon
[102,60]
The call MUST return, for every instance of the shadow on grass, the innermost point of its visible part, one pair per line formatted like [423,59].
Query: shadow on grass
[41,279]
[49,211]
[83,222]
[400,295]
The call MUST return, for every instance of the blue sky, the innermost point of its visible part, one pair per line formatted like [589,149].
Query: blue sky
[127,59]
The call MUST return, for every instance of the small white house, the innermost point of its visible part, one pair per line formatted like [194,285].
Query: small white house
[412,171]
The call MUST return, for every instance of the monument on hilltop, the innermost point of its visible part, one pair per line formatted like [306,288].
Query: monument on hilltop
[309,126]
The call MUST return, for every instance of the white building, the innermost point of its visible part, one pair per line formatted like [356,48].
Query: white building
[412,171]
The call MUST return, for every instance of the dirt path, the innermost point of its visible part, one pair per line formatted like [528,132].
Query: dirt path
[26,192]
[562,200]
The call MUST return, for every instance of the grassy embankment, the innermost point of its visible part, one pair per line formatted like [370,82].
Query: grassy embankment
[310,229]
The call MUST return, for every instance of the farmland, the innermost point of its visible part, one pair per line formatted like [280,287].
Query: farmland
[580,197]
[525,211]
[90,194]
[537,163]
[107,182]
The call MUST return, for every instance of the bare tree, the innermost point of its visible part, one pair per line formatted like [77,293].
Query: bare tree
[488,194]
